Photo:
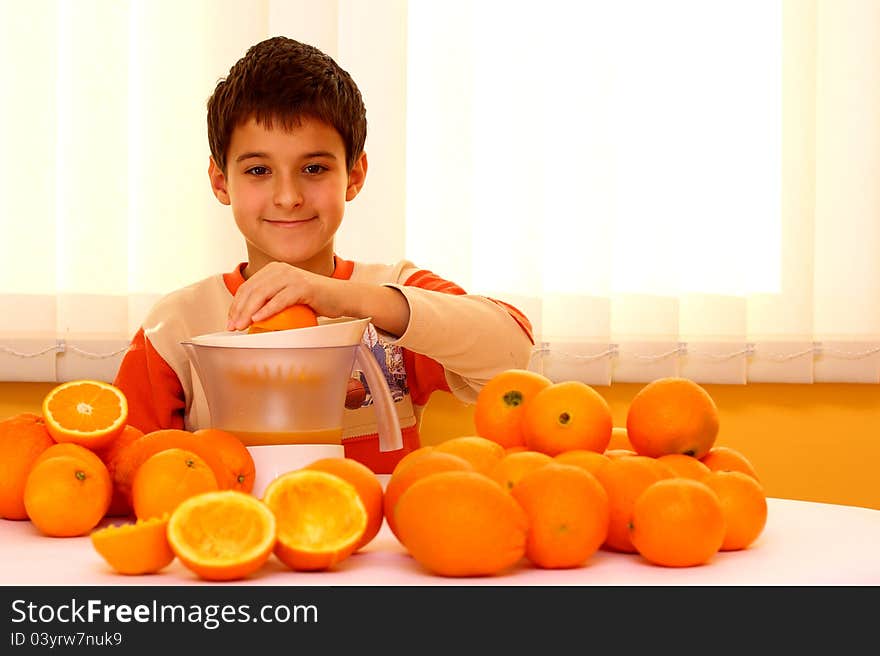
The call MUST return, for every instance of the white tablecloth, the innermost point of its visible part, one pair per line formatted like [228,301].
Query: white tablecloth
[803,543]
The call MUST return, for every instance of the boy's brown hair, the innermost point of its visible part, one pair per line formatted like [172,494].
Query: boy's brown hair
[283,80]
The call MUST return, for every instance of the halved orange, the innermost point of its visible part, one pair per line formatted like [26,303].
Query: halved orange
[91,413]
[367,485]
[294,316]
[222,535]
[320,516]
[140,548]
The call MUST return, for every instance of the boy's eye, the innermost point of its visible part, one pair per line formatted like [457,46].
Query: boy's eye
[257,170]
[314,169]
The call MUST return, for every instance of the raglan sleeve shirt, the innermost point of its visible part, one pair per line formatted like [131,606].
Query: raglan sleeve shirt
[458,341]
[454,341]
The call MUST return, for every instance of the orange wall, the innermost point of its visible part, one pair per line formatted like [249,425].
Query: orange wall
[812,442]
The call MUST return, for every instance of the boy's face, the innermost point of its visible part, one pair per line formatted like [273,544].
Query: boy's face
[287,191]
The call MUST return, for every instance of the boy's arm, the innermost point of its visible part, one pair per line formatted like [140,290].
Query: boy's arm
[154,393]
[471,337]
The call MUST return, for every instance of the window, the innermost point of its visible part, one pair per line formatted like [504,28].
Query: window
[665,188]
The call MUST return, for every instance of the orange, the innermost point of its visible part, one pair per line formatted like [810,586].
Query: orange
[499,407]
[568,515]
[461,523]
[23,437]
[69,449]
[685,466]
[294,316]
[566,416]
[139,548]
[508,471]
[228,457]
[430,463]
[67,495]
[87,412]
[222,535]
[672,415]
[321,518]
[368,488]
[515,449]
[662,468]
[412,455]
[80,452]
[119,504]
[482,453]
[619,453]
[132,456]
[677,522]
[743,504]
[221,454]
[619,439]
[624,479]
[724,458]
[166,479]
[588,460]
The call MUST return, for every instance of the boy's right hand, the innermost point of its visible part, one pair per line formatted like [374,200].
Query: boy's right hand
[279,285]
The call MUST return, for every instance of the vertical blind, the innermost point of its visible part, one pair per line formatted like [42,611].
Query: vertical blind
[665,188]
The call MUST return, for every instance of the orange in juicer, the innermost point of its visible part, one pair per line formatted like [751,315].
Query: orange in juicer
[294,316]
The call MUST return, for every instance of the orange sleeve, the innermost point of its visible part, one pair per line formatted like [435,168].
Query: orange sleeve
[424,374]
[154,393]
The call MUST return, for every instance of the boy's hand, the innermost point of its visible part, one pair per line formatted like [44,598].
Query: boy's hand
[279,285]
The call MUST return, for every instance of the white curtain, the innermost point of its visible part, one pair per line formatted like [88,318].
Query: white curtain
[104,197]
[665,188]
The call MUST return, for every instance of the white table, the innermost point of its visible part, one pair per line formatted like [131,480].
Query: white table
[803,543]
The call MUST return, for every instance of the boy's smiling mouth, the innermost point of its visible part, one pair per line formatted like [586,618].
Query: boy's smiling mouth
[289,223]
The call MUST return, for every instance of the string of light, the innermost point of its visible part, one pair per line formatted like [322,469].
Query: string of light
[613,351]
[683,349]
[62,346]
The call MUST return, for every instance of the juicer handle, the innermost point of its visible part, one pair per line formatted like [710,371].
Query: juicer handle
[390,438]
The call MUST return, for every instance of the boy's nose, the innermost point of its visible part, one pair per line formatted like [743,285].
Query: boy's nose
[287,192]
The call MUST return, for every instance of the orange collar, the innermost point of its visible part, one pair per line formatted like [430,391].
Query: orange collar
[342,270]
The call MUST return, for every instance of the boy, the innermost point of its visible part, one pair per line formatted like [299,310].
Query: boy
[286,130]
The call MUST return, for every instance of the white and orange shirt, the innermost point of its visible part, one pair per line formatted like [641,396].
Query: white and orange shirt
[454,342]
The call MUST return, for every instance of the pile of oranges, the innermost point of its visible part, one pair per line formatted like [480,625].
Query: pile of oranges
[79,462]
[545,477]
[548,477]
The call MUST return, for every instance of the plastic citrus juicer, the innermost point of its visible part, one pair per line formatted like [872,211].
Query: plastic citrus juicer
[283,392]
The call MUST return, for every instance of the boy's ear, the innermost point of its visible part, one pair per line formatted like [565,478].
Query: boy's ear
[218,182]
[356,177]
